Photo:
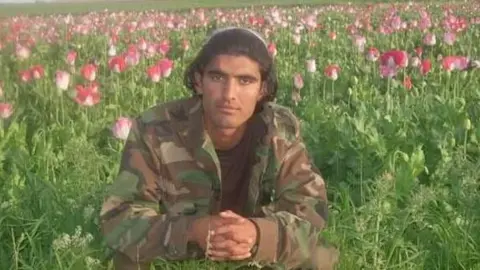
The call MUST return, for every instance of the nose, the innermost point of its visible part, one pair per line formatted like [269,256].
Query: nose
[230,89]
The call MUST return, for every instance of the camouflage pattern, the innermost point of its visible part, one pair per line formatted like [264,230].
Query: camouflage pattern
[170,175]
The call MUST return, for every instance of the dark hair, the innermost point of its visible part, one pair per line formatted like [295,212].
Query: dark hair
[236,41]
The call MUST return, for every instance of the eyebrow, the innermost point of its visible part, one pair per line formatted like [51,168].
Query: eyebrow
[219,72]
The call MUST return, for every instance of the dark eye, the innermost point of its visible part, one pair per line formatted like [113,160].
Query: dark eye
[216,77]
[245,80]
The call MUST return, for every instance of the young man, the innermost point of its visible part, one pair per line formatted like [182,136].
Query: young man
[222,175]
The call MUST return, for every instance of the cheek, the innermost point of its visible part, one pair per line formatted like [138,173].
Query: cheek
[211,91]
[250,98]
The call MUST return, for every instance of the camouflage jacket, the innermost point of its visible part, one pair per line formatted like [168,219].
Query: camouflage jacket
[170,175]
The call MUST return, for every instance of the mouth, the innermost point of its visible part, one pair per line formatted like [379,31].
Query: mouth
[226,109]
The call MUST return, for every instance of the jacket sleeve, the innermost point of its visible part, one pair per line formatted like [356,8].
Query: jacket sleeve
[299,213]
[131,221]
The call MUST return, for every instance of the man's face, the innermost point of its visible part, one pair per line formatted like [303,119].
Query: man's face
[231,87]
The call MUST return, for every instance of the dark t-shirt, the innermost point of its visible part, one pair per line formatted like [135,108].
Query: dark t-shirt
[236,165]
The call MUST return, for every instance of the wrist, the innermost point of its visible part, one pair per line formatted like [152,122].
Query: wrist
[199,230]
[192,233]
[257,237]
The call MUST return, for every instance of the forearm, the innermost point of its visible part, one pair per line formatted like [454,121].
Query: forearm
[286,239]
[143,235]
[291,224]
[267,240]
[290,229]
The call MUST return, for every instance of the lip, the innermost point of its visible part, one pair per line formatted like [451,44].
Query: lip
[227,109]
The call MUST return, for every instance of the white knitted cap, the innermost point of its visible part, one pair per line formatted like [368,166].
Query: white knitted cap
[255,33]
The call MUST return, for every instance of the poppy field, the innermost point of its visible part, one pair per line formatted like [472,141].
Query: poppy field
[388,96]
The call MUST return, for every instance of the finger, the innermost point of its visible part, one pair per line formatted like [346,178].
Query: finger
[230,245]
[234,233]
[217,238]
[232,258]
[226,244]
[238,238]
[232,215]
[220,242]
[241,257]
[225,229]
[239,250]
[241,238]
[221,221]
[218,253]
[228,253]
[218,259]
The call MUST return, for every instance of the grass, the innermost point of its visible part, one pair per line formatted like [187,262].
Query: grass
[401,164]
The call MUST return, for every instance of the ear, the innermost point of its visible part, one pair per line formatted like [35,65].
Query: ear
[198,83]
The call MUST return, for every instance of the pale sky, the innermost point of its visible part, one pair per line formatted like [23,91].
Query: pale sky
[17,1]
[24,1]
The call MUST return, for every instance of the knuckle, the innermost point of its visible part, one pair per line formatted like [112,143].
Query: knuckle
[239,251]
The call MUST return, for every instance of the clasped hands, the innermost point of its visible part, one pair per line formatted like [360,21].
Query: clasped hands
[232,236]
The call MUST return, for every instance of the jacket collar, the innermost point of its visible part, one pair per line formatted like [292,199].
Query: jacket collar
[200,145]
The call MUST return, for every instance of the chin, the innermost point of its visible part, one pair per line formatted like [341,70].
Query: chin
[227,123]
